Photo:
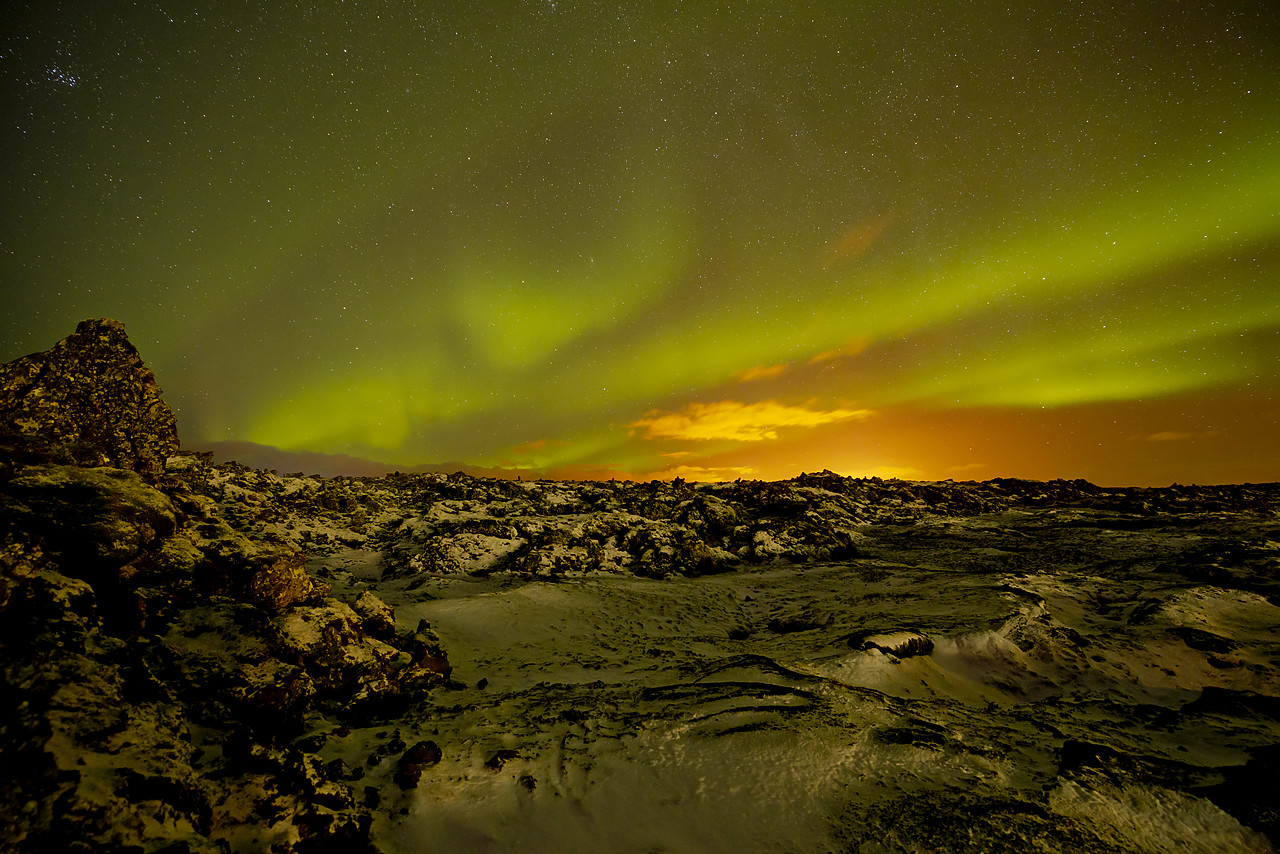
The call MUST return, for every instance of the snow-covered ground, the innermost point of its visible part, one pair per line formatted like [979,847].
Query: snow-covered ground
[808,666]
[741,712]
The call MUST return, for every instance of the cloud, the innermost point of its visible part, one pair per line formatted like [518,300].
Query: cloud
[857,239]
[704,474]
[539,445]
[1167,436]
[966,468]
[761,372]
[852,347]
[739,422]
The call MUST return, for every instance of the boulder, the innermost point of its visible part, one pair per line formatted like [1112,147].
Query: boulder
[89,401]
[379,618]
[409,768]
[278,577]
[94,517]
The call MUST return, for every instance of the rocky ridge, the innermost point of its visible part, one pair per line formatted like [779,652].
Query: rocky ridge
[437,524]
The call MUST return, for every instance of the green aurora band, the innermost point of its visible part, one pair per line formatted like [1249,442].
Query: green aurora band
[510,238]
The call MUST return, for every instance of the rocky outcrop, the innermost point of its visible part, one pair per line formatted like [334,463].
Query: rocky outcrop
[166,670]
[163,673]
[90,401]
[903,644]
[459,524]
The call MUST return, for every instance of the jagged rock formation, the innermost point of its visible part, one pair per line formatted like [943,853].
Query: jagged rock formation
[90,401]
[964,635]
[424,524]
[166,676]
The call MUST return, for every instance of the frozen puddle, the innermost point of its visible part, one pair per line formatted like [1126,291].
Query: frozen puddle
[766,710]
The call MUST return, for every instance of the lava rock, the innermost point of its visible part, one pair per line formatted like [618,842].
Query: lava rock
[379,620]
[103,517]
[497,760]
[409,767]
[90,401]
[158,646]
[898,644]
[278,578]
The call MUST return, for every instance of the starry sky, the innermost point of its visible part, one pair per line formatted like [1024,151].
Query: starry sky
[706,240]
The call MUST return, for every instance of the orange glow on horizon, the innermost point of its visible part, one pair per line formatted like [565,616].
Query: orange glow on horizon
[739,422]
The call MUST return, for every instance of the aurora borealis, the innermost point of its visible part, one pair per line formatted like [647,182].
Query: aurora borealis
[706,240]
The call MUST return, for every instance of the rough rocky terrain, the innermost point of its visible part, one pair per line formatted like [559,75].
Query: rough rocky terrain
[209,657]
[169,674]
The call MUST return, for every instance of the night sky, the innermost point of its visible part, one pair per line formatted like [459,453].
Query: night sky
[706,240]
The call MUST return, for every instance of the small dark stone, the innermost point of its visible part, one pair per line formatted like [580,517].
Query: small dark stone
[482,684]
[408,775]
[1248,791]
[179,847]
[310,744]
[501,757]
[422,753]
[1201,640]
[322,833]
[912,731]
[1229,701]
[795,623]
